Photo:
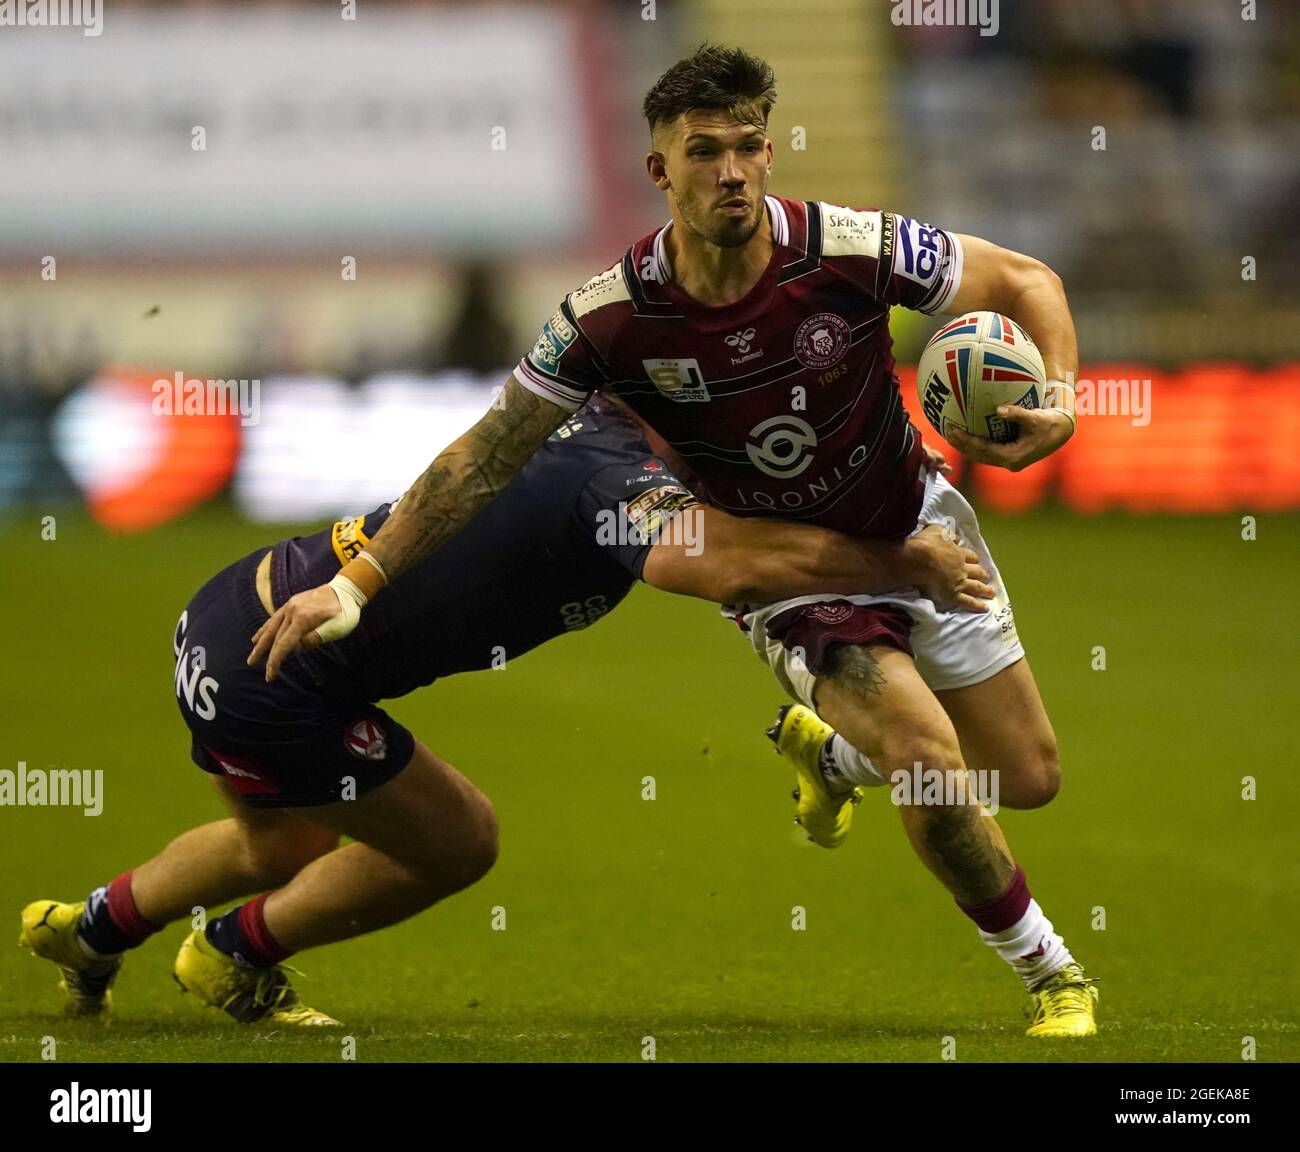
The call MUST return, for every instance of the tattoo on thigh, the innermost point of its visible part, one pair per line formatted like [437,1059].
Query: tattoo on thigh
[854,667]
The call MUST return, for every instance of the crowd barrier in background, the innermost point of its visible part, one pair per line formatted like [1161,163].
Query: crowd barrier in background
[1210,437]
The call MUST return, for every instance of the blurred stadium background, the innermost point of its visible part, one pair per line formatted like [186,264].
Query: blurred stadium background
[372,142]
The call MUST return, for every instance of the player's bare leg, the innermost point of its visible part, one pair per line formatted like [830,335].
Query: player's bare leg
[876,700]
[423,835]
[1003,727]
[256,849]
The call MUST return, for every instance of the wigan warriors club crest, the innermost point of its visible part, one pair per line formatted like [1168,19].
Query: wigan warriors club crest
[821,340]
[835,613]
[366,740]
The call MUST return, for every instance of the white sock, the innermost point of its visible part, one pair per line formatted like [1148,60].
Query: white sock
[1030,946]
[90,953]
[843,766]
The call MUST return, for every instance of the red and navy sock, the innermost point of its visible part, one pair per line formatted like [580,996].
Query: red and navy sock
[112,923]
[243,934]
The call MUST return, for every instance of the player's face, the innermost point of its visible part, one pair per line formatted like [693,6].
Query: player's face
[716,169]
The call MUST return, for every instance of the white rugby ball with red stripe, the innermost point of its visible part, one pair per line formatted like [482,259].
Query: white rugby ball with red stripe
[974,363]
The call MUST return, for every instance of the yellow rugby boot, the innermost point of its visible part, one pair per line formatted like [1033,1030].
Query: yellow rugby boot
[1064,1005]
[799,734]
[250,995]
[50,931]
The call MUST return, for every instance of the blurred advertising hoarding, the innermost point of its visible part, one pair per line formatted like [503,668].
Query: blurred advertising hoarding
[209,131]
[1206,438]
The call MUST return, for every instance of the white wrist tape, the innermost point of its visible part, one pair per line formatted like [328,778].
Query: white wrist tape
[1067,407]
[351,601]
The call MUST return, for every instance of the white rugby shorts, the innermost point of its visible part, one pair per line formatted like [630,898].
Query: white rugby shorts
[951,649]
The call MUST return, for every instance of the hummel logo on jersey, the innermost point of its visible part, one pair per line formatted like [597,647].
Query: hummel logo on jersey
[741,339]
[741,342]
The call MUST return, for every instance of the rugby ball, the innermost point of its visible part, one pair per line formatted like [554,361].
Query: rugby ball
[973,364]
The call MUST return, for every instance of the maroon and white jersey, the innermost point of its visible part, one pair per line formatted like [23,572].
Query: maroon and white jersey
[784,403]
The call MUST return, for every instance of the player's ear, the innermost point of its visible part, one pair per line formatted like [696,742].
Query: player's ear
[657,170]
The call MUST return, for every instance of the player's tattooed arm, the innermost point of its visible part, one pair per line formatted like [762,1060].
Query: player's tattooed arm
[734,560]
[452,490]
[999,280]
[466,476]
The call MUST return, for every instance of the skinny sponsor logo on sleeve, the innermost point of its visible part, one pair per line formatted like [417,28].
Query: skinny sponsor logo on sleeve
[56,787]
[78,1105]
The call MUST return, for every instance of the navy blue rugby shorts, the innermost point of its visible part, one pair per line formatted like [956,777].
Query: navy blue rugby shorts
[297,742]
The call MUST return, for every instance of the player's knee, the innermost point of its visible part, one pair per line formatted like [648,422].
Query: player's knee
[464,854]
[484,844]
[919,750]
[273,860]
[1041,777]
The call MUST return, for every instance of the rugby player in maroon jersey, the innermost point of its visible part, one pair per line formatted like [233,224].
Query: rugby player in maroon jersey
[751,332]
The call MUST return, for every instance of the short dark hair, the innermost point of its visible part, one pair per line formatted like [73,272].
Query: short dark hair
[713,77]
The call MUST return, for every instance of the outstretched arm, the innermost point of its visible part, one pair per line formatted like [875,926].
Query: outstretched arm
[739,560]
[452,490]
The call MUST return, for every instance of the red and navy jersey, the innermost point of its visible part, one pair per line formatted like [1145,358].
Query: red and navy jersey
[785,402]
[554,552]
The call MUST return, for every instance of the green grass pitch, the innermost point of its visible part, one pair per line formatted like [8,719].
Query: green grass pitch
[671,918]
